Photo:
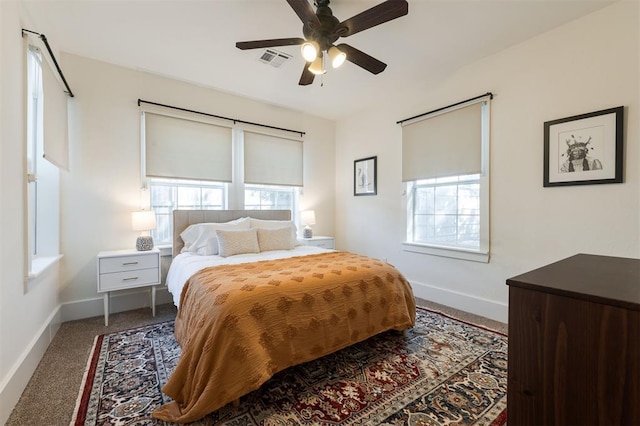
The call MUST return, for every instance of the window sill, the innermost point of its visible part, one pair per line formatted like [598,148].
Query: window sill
[165,249]
[454,253]
[40,265]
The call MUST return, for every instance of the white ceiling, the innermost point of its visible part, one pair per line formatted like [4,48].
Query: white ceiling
[194,41]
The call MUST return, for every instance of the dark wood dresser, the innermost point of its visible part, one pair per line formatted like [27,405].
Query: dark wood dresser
[574,343]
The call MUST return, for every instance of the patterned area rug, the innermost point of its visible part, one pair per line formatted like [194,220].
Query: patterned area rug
[441,372]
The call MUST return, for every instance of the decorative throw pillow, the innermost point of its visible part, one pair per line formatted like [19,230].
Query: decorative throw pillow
[237,242]
[275,239]
[201,238]
[275,224]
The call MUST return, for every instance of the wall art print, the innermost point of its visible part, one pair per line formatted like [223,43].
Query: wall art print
[364,176]
[584,149]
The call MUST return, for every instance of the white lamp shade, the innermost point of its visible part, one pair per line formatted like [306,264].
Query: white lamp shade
[310,50]
[308,217]
[317,67]
[337,56]
[144,220]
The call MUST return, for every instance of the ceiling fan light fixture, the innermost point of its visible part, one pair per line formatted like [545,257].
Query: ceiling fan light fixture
[317,66]
[310,50]
[337,56]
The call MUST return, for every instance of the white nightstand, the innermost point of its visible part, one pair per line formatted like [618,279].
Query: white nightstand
[126,269]
[324,242]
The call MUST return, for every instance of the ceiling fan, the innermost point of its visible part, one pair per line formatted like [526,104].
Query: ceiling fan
[321,30]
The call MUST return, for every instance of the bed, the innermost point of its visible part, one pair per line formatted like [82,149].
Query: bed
[246,313]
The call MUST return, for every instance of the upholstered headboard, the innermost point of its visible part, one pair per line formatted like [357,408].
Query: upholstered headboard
[183,218]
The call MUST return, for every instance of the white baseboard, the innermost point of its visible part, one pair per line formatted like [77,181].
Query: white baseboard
[18,377]
[491,309]
[120,301]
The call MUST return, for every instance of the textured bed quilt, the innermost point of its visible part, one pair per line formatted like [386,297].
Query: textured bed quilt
[238,325]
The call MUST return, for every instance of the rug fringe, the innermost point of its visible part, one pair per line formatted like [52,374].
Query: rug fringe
[85,376]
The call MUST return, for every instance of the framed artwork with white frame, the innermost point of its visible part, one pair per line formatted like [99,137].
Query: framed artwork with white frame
[364,176]
[584,149]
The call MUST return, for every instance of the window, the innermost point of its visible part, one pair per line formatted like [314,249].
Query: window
[170,194]
[263,197]
[446,175]
[42,180]
[446,211]
[34,140]
[196,163]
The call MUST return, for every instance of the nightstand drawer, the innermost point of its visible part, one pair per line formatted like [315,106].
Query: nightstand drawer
[328,244]
[127,263]
[319,241]
[128,279]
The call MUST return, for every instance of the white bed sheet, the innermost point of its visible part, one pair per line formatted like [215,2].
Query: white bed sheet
[184,265]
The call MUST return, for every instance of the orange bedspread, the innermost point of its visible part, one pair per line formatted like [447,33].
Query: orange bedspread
[238,325]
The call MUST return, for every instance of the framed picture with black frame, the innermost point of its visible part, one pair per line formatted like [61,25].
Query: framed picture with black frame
[584,149]
[365,176]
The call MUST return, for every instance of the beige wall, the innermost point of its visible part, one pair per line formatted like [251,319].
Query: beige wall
[27,318]
[104,184]
[102,188]
[587,65]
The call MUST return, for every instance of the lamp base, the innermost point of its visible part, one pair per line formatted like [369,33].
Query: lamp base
[307,233]
[144,243]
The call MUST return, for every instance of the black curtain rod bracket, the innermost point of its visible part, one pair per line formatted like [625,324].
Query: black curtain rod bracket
[235,120]
[489,94]
[53,58]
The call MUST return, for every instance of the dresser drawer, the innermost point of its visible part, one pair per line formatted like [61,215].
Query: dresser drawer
[128,279]
[127,263]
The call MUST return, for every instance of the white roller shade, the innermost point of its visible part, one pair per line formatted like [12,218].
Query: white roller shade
[447,144]
[271,160]
[56,136]
[186,149]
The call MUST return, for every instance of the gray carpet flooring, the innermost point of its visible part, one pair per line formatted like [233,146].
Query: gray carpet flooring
[50,396]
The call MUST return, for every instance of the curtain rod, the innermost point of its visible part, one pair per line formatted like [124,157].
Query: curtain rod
[46,43]
[235,120]
[448,106]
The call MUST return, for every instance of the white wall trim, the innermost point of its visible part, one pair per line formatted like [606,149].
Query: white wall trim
[120,301]
[469,303]
[16,380]
[451,252]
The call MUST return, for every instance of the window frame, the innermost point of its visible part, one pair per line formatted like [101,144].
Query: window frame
[234,191]
[42,181]
[176,185]
[482,253]
[227,194]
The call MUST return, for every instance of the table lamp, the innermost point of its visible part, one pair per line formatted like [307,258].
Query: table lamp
[144,221]
[308,218]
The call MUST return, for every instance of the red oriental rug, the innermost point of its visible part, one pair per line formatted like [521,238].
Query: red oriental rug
[441,372]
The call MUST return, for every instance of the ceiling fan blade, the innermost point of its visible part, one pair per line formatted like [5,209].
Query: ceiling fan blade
[384,12]
[362,60]
[307,76]
[257,44]
[304,11]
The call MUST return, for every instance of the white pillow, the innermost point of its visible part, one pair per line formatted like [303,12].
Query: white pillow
[237,242]
[275,239]
[201,238]
[275,224]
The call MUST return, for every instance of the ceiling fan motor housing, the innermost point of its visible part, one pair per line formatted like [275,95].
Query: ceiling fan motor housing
[328,31]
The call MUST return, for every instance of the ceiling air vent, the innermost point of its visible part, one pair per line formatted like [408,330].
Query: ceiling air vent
[273,57]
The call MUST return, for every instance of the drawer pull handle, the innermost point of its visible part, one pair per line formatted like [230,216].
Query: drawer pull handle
[129,263]
[130,279]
